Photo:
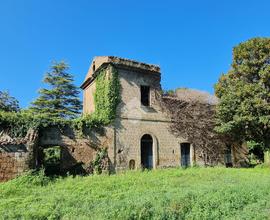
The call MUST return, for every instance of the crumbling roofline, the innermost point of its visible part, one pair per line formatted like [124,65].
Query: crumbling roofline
[118,66]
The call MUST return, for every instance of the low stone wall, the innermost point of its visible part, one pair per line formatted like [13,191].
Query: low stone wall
[18,156]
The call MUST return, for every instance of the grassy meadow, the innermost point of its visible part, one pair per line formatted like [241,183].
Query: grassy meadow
[195,193]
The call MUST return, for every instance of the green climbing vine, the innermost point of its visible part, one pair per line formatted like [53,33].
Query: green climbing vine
[97,164]
[106,98]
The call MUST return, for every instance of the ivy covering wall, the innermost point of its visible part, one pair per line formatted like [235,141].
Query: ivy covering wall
[106,97]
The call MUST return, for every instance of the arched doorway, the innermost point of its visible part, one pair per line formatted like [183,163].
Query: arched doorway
[132,164]
[147,151]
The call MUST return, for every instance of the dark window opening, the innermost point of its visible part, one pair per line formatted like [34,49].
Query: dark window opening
[228,156]
[119,151]
[94,67]
[145,95]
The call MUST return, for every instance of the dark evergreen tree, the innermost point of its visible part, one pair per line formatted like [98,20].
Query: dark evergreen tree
[8,103]
[61,99]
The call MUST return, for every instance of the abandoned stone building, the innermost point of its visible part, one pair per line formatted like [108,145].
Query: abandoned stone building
[144,130]
[150,130]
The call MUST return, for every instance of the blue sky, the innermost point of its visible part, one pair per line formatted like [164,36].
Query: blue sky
[191,40]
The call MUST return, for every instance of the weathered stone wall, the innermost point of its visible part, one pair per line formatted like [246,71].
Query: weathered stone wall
[16,158]
[95,64]
[166,148]
[89,87]
[75,148]
[196,126]
[88,98]
[130,106]
[16,154]
[135,120]
[12,164]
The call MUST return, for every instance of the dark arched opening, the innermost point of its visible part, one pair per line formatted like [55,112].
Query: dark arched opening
[147,151]
[132,164]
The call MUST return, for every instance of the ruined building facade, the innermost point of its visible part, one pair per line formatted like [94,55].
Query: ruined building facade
[144,130]
[151,130]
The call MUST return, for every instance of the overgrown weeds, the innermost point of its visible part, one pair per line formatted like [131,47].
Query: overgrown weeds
[201,193]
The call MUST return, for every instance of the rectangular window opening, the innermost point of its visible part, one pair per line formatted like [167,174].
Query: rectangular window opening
[228,156]
[145,95]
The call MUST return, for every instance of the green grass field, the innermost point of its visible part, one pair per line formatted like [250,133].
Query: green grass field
[195,193]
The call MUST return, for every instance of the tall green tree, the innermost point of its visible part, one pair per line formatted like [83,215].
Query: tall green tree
[61,98]
[244,92]
[8,103]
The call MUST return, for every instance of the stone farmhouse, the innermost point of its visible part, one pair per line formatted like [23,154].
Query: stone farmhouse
[143,133]
[151,129]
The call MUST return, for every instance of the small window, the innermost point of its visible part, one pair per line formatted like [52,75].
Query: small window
[132,164]
[94,67]
[228,156]
[145,95]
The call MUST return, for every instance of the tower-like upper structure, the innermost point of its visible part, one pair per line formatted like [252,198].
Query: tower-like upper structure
[139,82]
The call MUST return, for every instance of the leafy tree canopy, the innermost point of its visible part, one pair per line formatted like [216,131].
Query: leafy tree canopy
[61,98]
[244,93]
[8,103]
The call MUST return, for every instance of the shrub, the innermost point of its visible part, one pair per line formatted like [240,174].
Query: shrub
[32,178]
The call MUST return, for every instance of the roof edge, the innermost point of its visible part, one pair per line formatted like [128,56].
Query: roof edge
[121,63]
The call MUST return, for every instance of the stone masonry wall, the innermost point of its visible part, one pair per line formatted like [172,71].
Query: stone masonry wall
[12,164]
[135,120]
[166,148]
[88,102]
[75,150]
